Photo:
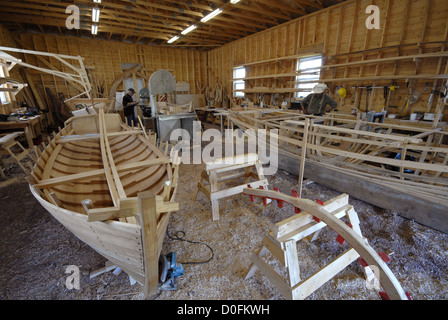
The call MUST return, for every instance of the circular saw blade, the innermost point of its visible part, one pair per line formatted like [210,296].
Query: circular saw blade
[164,266]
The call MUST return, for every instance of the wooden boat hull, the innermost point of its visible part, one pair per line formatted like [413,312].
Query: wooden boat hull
[411,206]
[93,176]
[119,242]
[354,157]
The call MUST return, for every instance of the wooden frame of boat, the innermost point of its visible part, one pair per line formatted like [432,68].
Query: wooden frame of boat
[113,188]
[398,166]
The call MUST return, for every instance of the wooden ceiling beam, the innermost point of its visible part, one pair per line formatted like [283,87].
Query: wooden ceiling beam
[106,19]
[168,8]
[262,11]
[126,9]
[244,16]
[311,3]
[107,28]
[112,26]
[282,6]
[154,22]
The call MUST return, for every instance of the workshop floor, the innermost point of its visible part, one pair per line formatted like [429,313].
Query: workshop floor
[35,249]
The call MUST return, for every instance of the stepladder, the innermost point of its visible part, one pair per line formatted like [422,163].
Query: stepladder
[226,170]
[281,243]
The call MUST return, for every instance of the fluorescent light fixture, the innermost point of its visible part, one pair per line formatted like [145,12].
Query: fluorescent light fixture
[234,1]
[94,29]
[99,1]
[175,38]
[211,15]
[95,14]
[189,29]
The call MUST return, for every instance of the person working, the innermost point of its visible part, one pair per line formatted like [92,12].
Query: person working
[128,106]
[316,103]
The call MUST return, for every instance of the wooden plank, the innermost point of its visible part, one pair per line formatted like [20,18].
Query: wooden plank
[273,276]
[84,137]
[114,189]
[128,207]
[148,221]
[353,155]
[308,286]
[292,262]
[293,223]
[369,134]
[236,190]
[46,183]
[303,155]
[311,227]
[231,161]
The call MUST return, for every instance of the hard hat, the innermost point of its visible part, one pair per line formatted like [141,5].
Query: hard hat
[319,88]
[342,92]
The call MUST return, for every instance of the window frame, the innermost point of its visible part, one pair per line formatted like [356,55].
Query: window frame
[238,94]
[308,86]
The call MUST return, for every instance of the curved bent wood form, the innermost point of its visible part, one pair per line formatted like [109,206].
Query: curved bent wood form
[359,245]
[89,178]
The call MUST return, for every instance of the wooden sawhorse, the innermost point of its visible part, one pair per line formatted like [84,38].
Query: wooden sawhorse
[212,176]
[281,243]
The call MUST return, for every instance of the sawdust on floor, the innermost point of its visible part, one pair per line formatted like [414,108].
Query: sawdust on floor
[36,250]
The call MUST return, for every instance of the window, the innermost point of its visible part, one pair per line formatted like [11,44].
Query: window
[4,98]
[308,64]
[239,73]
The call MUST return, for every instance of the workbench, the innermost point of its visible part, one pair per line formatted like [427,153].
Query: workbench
[33,127]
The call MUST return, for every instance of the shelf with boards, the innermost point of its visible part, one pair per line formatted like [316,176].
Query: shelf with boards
[351,64]
[283,77]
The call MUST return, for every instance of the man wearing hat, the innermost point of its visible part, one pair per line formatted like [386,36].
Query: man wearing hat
[128,106]
[316,103]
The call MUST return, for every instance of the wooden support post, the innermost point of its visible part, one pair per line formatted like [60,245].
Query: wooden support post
[292,262]
[214,188]
[148,222]
[303,156]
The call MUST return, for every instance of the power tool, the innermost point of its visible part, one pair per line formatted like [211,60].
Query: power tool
[169,270]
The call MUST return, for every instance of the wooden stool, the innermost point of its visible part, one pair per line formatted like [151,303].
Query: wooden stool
[281,243]
[212,177]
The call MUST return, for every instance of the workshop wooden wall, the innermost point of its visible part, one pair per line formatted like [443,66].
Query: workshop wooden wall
[104,59]
[340,33]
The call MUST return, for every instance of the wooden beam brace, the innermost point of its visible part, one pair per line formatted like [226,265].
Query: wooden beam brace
[46,183]
[128,207]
